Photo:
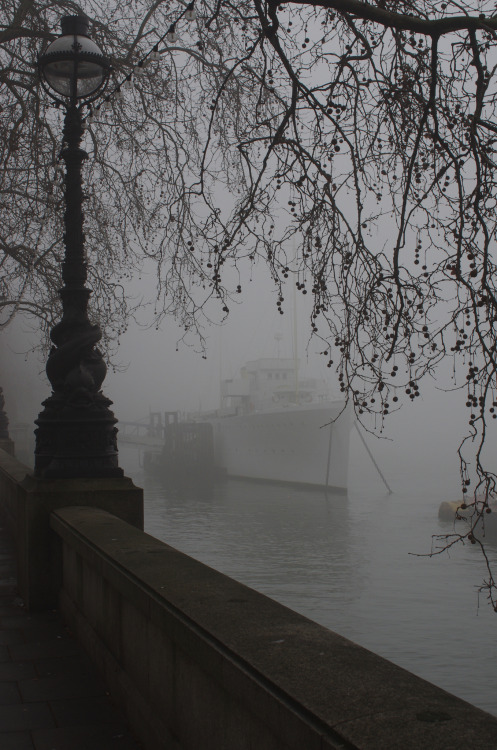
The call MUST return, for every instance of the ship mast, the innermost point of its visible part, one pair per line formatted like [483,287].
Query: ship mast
[295,346]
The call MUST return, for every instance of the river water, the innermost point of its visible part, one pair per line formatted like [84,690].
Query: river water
[351,563]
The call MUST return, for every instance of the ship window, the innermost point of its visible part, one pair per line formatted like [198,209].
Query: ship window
[270,375]
[277,376]
[284,376]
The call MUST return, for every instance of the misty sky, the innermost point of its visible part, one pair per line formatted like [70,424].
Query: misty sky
[155,377]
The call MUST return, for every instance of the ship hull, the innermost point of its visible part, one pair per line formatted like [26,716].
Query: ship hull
[301,445]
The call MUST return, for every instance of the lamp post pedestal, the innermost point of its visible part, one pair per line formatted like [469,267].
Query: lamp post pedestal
[76,432]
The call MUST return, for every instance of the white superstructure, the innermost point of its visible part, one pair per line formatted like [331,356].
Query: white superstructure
[274,426]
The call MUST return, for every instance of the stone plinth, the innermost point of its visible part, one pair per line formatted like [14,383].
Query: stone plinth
[27,502]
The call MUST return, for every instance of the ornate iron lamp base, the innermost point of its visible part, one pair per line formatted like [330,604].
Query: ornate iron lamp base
[76,440]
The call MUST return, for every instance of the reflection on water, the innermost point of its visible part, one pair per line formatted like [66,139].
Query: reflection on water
[259,535]
[345,562]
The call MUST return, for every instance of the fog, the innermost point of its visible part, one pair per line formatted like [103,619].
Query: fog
[418,443]
[342,560]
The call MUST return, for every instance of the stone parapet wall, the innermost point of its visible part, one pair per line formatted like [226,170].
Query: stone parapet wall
[201,662]
[12,474]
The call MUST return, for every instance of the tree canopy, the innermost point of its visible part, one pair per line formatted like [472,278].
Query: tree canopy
[348,146]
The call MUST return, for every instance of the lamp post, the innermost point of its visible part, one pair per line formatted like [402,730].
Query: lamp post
[76,433]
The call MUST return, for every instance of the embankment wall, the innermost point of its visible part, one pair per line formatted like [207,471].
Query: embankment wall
[199,661]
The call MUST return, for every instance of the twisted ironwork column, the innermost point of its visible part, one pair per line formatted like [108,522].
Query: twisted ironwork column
[76,434]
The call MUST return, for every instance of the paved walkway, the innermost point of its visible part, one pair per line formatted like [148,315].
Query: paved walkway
[51,697]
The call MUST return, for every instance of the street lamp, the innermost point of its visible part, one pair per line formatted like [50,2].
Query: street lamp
[76,434]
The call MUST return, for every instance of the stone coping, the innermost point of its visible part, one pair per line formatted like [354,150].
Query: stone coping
[352,697]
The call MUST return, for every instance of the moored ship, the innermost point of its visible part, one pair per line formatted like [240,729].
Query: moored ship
[274,426]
